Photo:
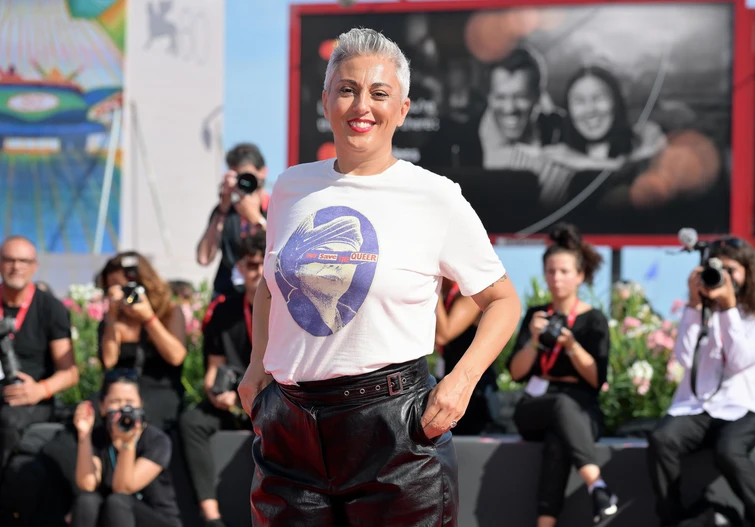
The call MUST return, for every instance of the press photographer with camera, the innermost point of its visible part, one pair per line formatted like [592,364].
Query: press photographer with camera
[227,346]
[714,405]
[36,353]
[562,352]
[122,462]
[241,211]
[144,330]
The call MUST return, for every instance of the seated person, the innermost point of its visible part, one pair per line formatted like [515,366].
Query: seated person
[120,470]
[715,406]
[227,343]
[148,336]
[40,334]
[565,373]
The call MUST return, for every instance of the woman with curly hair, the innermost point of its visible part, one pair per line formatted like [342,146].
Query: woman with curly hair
[144,331]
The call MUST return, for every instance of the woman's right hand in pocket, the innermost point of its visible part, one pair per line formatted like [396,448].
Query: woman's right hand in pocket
[537,324]
[83,419]
[255,380]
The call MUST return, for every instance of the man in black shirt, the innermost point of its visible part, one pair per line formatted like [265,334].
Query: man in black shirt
[41,340]
[228,346]
[237,215]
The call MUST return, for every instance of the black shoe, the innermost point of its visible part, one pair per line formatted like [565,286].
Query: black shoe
[604,504]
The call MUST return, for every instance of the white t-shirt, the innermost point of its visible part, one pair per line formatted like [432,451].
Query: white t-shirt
[354,265]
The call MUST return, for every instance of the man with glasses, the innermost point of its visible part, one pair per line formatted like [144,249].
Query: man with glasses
[714,405]
[227,345]
[40,334]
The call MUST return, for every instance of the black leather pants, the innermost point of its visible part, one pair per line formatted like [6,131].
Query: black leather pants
[351,451]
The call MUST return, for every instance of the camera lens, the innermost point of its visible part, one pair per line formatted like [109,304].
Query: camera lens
[247,182]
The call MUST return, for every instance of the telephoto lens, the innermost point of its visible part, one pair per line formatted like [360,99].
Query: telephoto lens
[247,182]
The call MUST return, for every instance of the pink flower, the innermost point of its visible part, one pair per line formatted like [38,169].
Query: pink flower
[193,326]
[196,306]
[658,340]
[605,387]
[674,371]
[666,325]
[96,310]
[631,322]
[71,305]
[677,306]
[643,388]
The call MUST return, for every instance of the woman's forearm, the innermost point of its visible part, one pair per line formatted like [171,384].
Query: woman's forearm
[522,361]
[207,248]
[585,364]
[172,350]
[111,347]
[260,329]
[123,474]
[86,472]
[497,325]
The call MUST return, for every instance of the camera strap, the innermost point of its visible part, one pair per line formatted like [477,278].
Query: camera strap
[248,319]
[548,360]
[23,310]
[704,332]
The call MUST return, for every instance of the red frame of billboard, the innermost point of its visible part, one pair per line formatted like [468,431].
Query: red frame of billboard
[742,201]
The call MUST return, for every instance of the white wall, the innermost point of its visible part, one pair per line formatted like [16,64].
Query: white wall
[173,91]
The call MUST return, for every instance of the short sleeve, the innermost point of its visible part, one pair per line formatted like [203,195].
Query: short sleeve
[467,256]
[597,342]
[60,321]
[157,448]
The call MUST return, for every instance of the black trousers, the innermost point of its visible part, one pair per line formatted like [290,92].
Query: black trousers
[351,451]
[162,406]
[14,420]
[568,432]
[92,509]
[678,436]
[197,426]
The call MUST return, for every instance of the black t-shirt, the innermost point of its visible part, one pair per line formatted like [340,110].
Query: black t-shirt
[155,445]
[143,356]
[46,320]
[226,334]
[234,229]
[591,331]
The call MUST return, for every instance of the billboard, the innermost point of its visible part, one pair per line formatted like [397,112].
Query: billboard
[616,117]
[61,77]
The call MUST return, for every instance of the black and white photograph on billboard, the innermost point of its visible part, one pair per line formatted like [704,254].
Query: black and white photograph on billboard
[615,118]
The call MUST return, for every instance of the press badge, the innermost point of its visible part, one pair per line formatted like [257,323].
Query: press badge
[536,386]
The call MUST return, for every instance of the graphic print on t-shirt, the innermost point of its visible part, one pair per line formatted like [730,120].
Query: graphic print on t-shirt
[326,268]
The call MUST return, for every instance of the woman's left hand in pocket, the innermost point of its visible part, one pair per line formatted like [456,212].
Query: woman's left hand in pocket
[447,403]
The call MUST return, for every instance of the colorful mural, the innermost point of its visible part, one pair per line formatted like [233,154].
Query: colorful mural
[61,78]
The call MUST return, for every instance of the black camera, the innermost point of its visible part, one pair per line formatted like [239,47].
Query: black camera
[226,380]
[133,290]
[247,183]
[556,322]
[712,275]
[8,357]
[130,416]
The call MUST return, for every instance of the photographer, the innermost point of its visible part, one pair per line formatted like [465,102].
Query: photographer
[121,464]
[720,411]
[241,211]
[228,345]
[36,331]
[145,332]
[562,351]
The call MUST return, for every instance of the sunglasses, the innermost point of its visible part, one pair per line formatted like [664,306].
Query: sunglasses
[736,243]
[130,374]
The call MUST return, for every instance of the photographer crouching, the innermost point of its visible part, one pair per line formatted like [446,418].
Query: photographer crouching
[121,463]
[228,344]
[714,404]
[35,346]
[562,351]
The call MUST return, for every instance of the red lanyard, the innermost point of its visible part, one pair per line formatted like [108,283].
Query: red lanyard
[248,318]
[548,360]
[23,310]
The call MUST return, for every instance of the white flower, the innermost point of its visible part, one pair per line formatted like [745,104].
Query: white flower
[644,311]
[83,293]
[641,370]
[504,378]
[636,289]
[74,333]
[613,323]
